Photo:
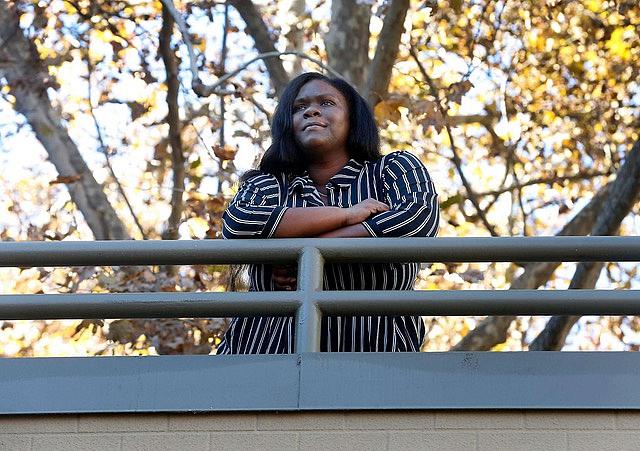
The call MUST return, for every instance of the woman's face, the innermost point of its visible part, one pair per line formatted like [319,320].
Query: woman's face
[321,119]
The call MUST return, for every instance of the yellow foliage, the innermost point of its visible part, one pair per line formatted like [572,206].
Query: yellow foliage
[619,42]
[387,110]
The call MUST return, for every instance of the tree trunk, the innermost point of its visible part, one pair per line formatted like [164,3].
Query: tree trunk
[296,34]
[27,79]
[257,29]
[386,51]
[348,40]
[624,193]
[173,119]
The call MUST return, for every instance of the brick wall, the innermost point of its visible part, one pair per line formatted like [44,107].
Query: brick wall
[448,430]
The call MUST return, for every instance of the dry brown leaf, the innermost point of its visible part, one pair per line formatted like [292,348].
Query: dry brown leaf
[429,114]
[65,179]
[458,90]
[387,110]
[225,153]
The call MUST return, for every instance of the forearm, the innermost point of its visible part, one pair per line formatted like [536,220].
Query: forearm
[309,222]
[352,231]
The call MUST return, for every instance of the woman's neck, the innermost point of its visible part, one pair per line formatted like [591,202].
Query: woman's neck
[321,172]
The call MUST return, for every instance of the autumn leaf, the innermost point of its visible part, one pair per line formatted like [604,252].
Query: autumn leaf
[197,227]
[227,152]
[65,179]
[428,114]
[458,90]
[216,204]
[137,109]
[387,110]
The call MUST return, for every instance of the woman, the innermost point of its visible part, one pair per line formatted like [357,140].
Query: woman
[323,176]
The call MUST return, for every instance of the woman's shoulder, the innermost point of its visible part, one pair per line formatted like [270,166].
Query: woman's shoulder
[261,179]
[401,158]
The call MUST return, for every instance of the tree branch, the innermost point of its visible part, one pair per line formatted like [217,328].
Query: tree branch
[624,192]
[493,329]
[548,181]
[258,30]
[173,119]
[379,73]
[457,162]
[28,80]
[103,147]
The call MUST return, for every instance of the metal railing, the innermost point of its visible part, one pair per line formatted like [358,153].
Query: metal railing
[310,380]
[309,302]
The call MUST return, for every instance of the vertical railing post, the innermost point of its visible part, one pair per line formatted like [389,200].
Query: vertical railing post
[308,316]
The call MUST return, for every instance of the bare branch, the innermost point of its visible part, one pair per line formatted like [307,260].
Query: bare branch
[177,18]
[584,175]
[105,150]
[211,89]
[379,73]
[457,162]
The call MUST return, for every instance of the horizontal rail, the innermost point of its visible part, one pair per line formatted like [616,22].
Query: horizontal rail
[285,303]
[147,305]
[521,249]
[480,302]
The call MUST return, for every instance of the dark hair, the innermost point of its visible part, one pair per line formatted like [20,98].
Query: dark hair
[285,156]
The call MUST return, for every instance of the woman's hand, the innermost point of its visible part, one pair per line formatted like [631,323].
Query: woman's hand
[363,210]
[285,277]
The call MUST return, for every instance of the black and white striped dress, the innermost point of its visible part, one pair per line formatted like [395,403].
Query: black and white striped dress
[398,179]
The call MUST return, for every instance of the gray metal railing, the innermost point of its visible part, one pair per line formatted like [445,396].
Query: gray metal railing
[309,380]
[309,302]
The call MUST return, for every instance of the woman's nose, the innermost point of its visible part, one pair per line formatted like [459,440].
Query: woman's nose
[310,111]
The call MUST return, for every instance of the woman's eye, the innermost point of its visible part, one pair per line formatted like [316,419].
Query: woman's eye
[298,107]
[327,102]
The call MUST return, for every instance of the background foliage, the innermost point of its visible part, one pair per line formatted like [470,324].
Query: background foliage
[134,119]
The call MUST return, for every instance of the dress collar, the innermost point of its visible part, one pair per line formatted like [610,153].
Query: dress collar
[344,177]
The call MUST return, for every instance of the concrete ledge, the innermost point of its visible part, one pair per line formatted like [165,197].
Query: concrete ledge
[322,381]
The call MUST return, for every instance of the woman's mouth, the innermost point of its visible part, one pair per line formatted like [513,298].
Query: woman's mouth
[314,126]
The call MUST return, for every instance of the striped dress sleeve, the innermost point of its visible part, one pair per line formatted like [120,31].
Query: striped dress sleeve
[412,199]
[255,211]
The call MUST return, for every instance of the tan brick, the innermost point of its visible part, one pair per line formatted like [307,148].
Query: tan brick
[618,441]
[403,441]
[479,420]
[213,422]
[569,420]
[123,423]
[259,441]
[522,440]
[39,423]
[76,442]
[165,441]
[390,420]
[628,420]
[347,440]
[15,442]
[300,421]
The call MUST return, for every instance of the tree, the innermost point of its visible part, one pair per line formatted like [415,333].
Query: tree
[524,113]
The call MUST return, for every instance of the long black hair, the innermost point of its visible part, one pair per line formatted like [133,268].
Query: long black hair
[285,155]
